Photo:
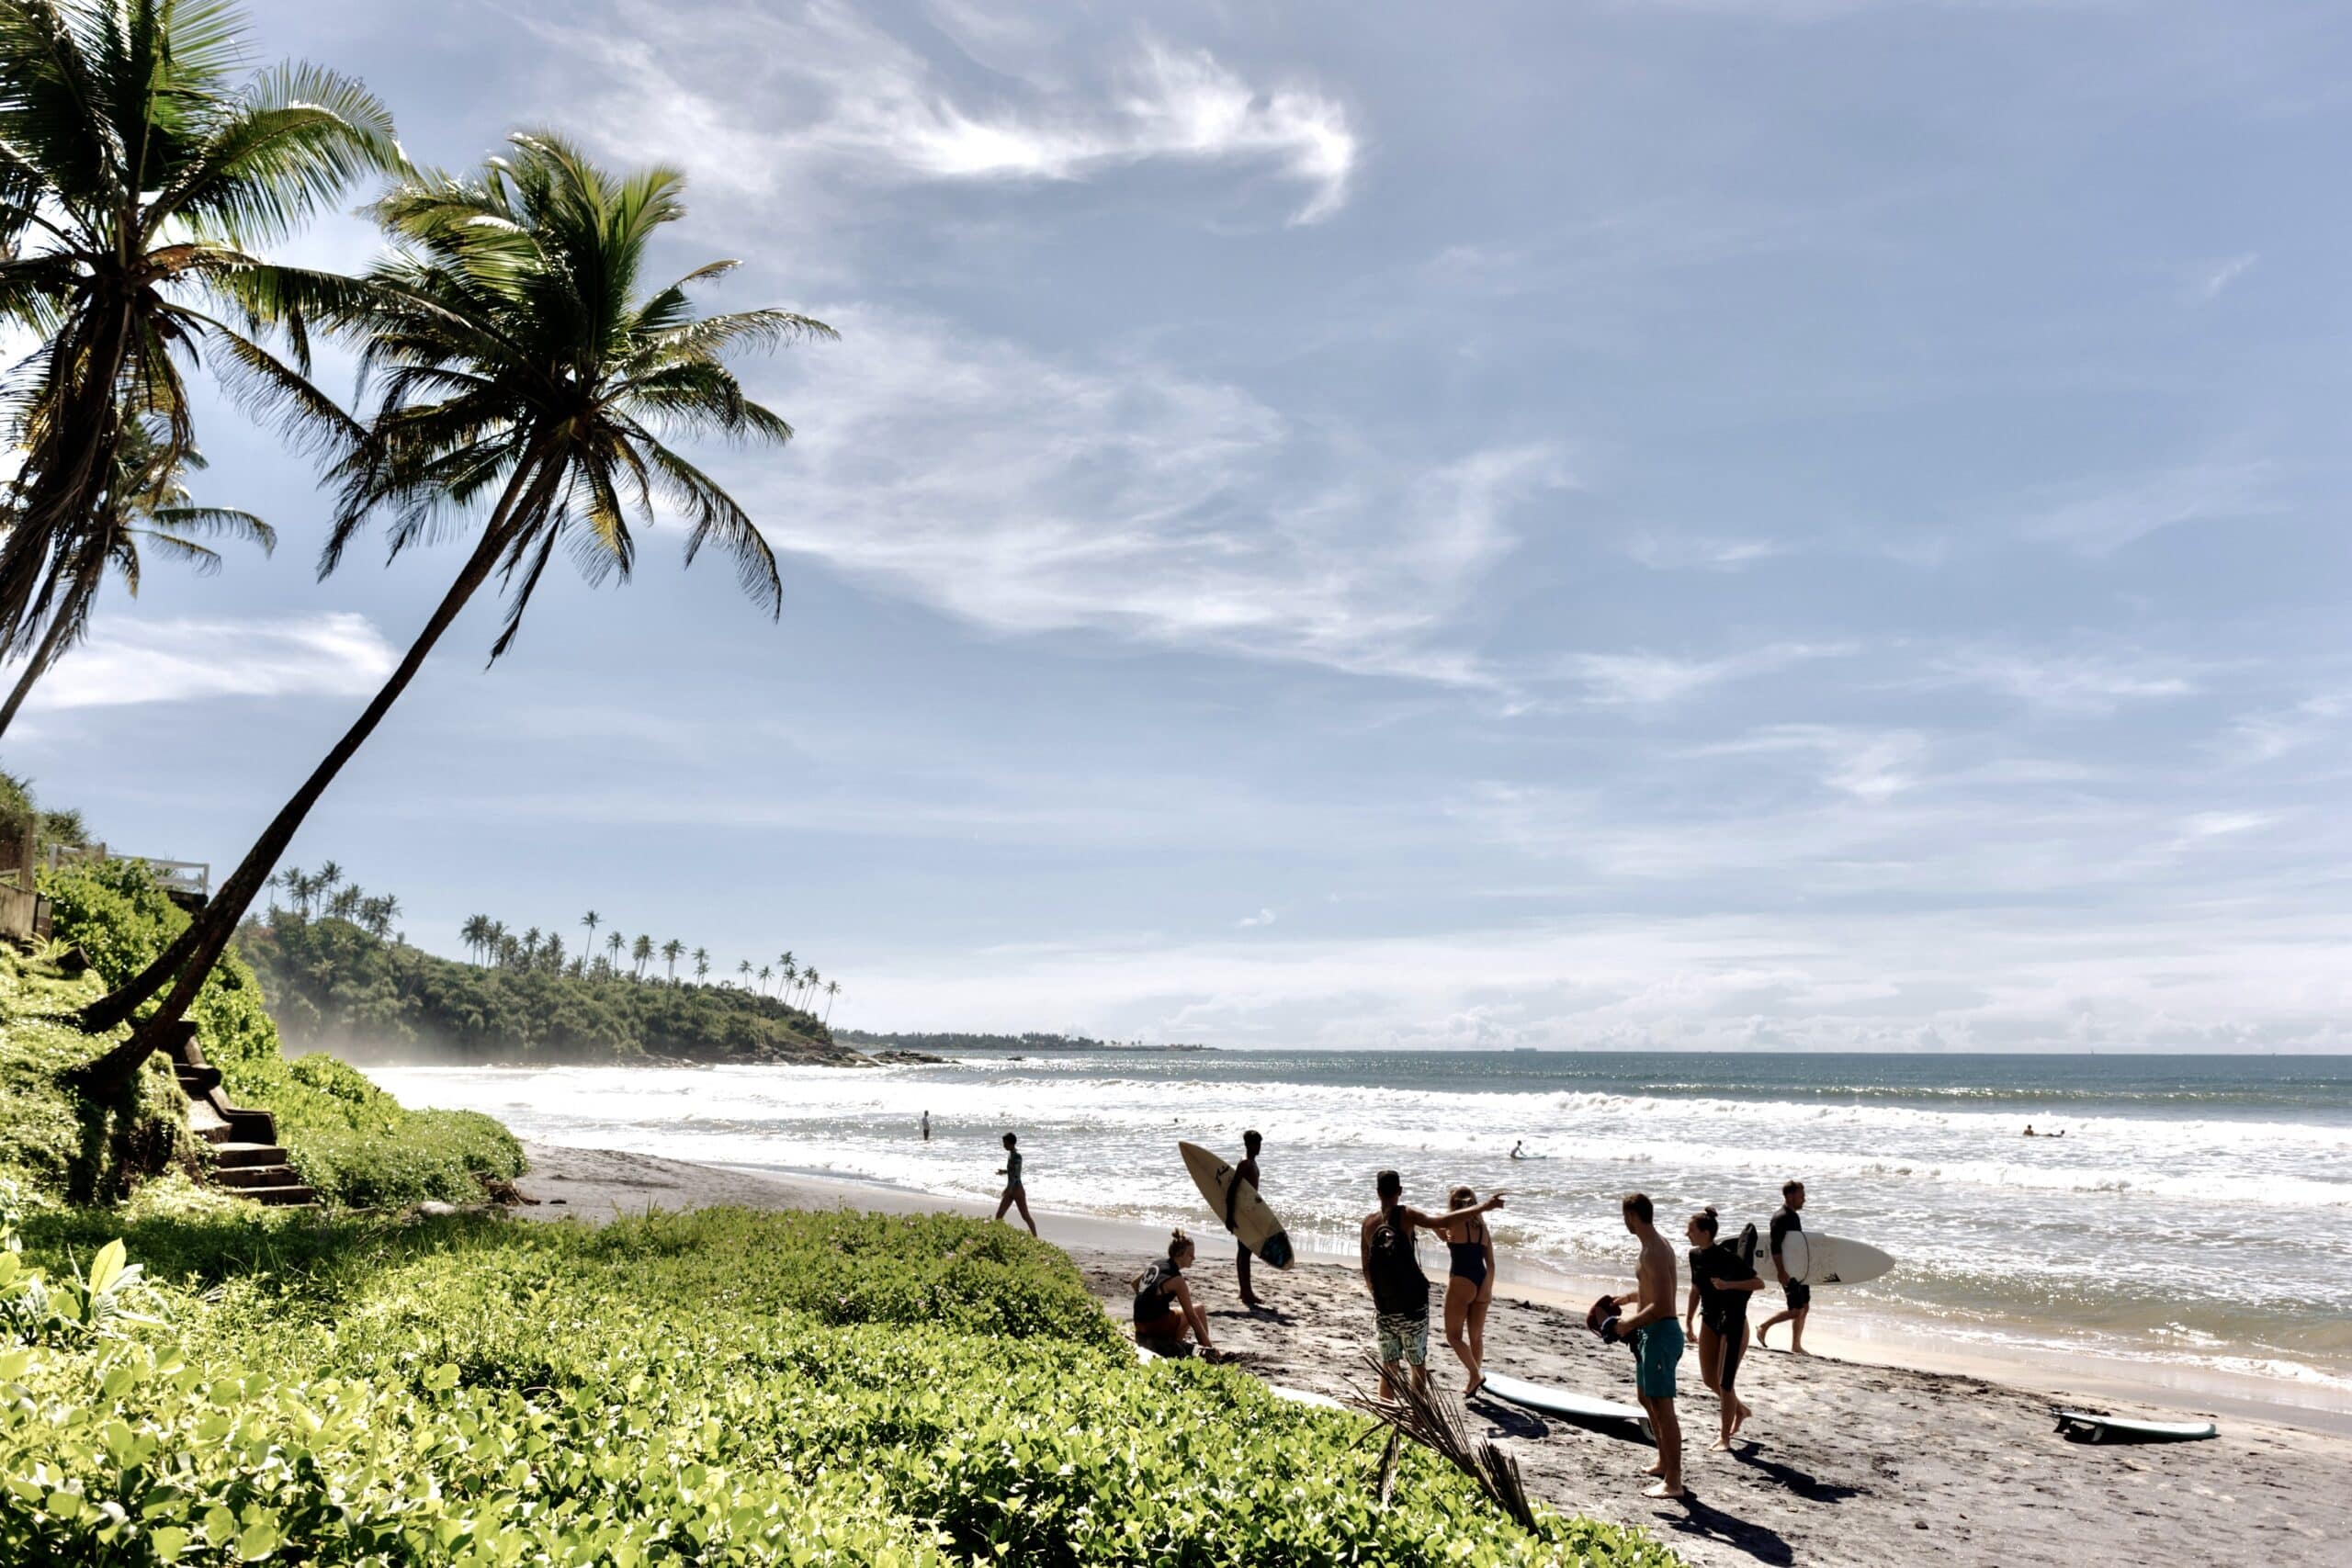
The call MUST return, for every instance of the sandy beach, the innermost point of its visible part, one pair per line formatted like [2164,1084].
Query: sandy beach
[1845,1463]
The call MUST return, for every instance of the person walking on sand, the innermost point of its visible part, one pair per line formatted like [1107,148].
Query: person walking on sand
[1016,1193]
[1720,1283]
[1166,1314]
[1400,1291]
[1247,1171]
[1469,1286]
[1799,1293]
[1657,1336]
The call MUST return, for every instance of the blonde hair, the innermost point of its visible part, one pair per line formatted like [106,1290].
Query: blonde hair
[1177,1242]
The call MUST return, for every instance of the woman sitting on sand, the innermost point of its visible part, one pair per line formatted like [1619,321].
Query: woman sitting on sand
[1166,1314]
[1721,1282]
[1469,1285]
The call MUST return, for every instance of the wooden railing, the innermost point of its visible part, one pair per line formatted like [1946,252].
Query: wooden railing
[189,878]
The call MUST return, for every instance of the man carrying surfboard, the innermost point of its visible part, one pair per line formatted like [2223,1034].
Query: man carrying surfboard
[1245,1171]
[1657,1335]
[1800,1294]
[1400,1291]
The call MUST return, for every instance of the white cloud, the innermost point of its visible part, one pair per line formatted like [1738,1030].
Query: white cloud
[2105,520]
[2266,737]
[890,113]
[1640,679]
[2215,279]
[128,661]
[1026,495]
[2079,684]
[1251,922]
[1867,764]
[1686,552]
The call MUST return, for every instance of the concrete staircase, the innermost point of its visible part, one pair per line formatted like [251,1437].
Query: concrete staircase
[246,1157]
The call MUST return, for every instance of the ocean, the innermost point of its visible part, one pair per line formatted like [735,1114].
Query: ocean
[2198,1211]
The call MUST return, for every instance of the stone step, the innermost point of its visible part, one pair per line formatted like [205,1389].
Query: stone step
[229,1154]
[245,1177]
[292,1195]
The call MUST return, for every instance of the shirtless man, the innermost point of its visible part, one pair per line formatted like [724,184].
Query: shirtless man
[1245,1171]
[1400,1291]
[1657,1334]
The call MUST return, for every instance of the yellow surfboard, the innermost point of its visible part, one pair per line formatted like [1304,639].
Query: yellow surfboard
[1254,1224]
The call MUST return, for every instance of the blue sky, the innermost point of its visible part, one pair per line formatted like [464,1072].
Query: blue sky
[1733,523]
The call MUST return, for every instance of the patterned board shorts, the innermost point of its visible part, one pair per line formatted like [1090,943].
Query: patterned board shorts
[1405,1336]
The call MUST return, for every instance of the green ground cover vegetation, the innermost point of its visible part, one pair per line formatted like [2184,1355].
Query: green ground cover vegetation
[717,1387]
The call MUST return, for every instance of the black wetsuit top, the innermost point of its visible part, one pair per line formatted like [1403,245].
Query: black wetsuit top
[1152,1301]
[1711,1269]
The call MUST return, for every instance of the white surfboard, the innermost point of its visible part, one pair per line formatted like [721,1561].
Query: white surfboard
[1559,1401]
[1254,1224]
[1817,1260]
[2088,1427]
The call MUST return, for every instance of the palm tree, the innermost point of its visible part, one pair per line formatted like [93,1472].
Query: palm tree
[765,973]
[612,945]
[591,920]
[293,880]
[137,175]
[640,953]
[744,969]
[145,503]
[475,934]
[516,358]
[671,951]
[702,964]
[832,989]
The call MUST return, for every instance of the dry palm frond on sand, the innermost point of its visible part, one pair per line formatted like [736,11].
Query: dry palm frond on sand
[1434,1420]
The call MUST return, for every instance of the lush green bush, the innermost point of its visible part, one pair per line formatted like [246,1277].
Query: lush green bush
[349,1139]
[331,982]
[56,1140]
[711,1388]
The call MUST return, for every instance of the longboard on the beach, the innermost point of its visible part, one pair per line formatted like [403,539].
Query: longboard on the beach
[1816,1260]
[1254,1224]
[1568,1406]
[2084,1427]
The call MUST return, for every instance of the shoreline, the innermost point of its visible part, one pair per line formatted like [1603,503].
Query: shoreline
[1859,1336]
[1848,1464]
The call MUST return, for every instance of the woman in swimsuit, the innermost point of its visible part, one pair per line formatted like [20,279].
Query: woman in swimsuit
[1166,1314]
[1469,1286]
[1720,1283]
[1014,1193]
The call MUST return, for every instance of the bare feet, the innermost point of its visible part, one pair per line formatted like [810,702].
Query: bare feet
[1721,1444]
[1662,1490]
[1657,1469]
[1764,1337]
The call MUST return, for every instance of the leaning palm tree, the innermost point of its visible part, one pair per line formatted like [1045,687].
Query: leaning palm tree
[145,504]
[671,951]
[591,920]
[832,989]
[765,973]
[139,176]
[518,359]
[702,964]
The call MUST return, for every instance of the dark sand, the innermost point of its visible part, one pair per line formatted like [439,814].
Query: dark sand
[1844,1463]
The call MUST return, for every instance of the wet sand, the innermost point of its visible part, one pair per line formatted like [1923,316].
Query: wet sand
[1845,1463]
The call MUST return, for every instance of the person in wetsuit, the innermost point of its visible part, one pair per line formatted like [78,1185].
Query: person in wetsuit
[1469,1285]
[1247,1171]
[1720,1283]
[1016,1191]
[1166,1314]
[1800,1294]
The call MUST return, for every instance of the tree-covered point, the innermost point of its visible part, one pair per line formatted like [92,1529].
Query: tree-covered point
[338,981]
[866,1040]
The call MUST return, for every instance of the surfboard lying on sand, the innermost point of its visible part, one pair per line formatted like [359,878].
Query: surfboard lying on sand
[1831,1259]
[1305,1396]
[1254,1224]
[2085,1427]
[1568,1406]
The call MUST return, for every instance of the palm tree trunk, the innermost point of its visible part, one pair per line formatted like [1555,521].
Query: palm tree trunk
[190,957]
[52,642]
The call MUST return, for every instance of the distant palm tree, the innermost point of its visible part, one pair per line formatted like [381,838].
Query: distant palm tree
[146,505]
[702,964]
[551,953]
[765,973]
[330,877]
[591,920]
[832,989]
[389,908]
[641,953]
[809,979]
[671,951]
[744,969]
[138,172]
[612,945]
[516,361]
[297,885]
[475,934]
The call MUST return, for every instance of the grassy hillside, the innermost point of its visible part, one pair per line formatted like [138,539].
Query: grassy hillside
[332,984]
[357,1145]
[700,1389]
[56,1142]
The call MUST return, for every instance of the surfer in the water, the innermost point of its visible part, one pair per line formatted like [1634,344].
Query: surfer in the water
[1720,1283]
[1518,1149]
[1015,1192]
[1469,1286]
[1245,1171]
[1657,1335]
[1800,1294]
[1400,1291]
[1166,1314]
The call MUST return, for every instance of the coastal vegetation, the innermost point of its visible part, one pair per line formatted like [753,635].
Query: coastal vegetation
[955,1040]
[338,975]
[716,1387]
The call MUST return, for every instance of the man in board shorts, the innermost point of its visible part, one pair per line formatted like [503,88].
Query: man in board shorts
[1800,1294]
[1400,1291]
[1657,1335]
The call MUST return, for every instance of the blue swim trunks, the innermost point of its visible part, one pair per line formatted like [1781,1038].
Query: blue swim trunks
[1658,1347]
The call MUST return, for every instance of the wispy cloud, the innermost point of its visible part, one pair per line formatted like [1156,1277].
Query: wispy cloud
[1663,551]
[1251,922]
[1028,495]
[2103,520]
[2261,738]
[1642,680]
[2210,284]
[889,112]
[1867,764]
[2080,684]
[129,662]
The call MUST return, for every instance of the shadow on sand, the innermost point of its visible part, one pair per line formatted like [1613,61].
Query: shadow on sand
[1801,1484]
[1695,1517]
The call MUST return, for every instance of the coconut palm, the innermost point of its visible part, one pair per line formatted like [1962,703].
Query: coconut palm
[475,934]
[765,973]
[144,505]
[671,951]
[591,920]
[138,176]
[518,359]
[744,970]
[702,964]
[613,942]
[832,989]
